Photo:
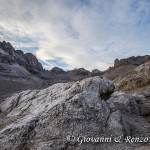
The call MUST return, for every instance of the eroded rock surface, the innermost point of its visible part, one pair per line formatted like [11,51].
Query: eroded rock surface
[8,55]
[137,78]
[143,100]
[132,61]
[43,119]
[123,66]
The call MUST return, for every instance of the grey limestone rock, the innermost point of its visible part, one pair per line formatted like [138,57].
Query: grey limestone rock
[54,118]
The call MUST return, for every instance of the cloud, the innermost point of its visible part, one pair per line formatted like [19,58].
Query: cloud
[81,33]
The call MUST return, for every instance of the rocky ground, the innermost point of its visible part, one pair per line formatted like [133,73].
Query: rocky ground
[45,119]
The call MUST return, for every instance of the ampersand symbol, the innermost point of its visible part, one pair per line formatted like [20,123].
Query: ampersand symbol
[117,139]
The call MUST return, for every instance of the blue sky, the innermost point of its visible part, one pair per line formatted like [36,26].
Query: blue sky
[77,33]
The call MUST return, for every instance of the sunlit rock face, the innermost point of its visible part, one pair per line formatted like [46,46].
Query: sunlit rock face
[139,77]
[124,66]
[44,119]
[132,61]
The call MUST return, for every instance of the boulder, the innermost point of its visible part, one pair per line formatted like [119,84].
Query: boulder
[143,101]
[68,116]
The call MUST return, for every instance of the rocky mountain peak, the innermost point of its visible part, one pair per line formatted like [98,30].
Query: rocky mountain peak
[33,62]
[10,56]
[57,70]
[80,71]
[96,72]
[7,47]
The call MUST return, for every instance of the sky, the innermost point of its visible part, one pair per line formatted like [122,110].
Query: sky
[77,33]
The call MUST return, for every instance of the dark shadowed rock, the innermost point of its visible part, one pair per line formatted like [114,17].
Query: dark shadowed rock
[143,100]
[33,63]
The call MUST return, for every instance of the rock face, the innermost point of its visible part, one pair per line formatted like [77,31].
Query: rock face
[79,71]
[132,61]
[113,73]
[9,55]
[7,47]
[57,70]
[96,72]
[19,71]
[124,66]
[54,118]
[137,78]
[143,100]
[57,75]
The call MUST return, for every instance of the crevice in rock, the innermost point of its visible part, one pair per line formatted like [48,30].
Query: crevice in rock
[27,131]
[15,102]
[146,115]
[106,95]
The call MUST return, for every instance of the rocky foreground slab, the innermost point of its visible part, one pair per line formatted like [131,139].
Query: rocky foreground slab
[71,115]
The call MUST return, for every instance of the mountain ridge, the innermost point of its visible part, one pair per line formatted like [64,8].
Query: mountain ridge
[26,72]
